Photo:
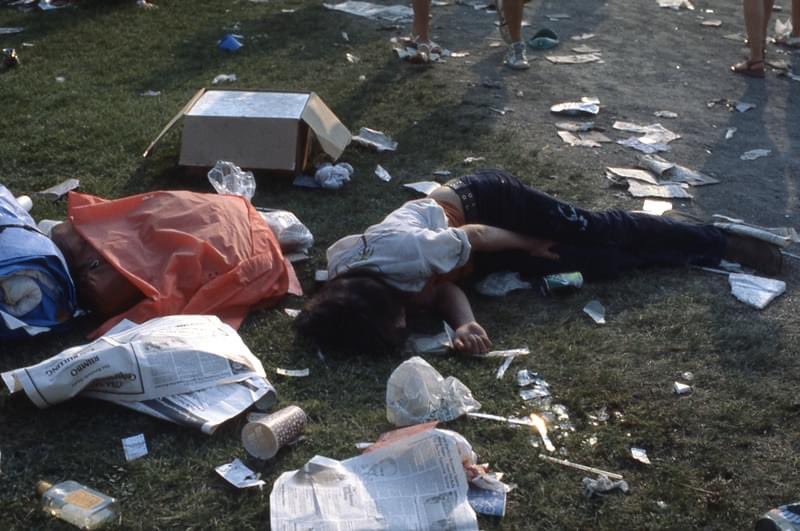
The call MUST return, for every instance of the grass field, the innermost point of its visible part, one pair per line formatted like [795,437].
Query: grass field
[721,456]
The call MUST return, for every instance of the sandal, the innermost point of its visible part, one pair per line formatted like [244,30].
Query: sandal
[751,68]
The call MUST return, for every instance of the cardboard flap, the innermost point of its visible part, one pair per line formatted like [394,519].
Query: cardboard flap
[174,120]
[332,135]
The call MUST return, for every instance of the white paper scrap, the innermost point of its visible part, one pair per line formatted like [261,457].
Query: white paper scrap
[223,78]
[754,154]
[423,187]
[666,114]
[524,351]
[640,454]
[501,370]
[681,388]
[470,160]
[134,447]
[596,311]
[755,291]
[376,140]
[382,174]
[293,373]
[321,275]
[729,132]
[291,312]
[664,190]
[363,445]
[743,106]
[10,31]
[238,475]
[631,173]
[655,207]
[391,13]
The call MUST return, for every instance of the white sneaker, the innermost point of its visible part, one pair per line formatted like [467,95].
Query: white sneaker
[502,22]
[517,58]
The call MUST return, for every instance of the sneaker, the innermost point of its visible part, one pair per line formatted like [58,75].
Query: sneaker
[422,55]
[502,24]
[517,58]
[754,253]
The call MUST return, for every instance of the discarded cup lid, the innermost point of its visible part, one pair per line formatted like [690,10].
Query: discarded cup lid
[230,43]
[544,39]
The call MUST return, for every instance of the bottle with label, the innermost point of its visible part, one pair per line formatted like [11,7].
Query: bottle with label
[77,504]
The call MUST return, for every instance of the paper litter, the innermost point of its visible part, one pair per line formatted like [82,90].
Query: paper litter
[657,208]
[665,114]
[223,78]
[238,475]
[754,154]
[587,106]
[663,190]
[333,176]
[681,389]
[501,370]
[575,127]
[729,132]
[676,4]
[382,174]
[602,485]
[291,312]
[580,58]
[293,373]
[134,447]
[392,13]
[742,106]
[501,283]
[640,454]
[755,291]
[376,140]
[596,311]
[620,175]
[675,172]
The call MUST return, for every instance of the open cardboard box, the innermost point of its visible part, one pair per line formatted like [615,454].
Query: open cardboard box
[260,129]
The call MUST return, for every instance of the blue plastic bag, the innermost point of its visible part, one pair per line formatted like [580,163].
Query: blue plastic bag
[36,291]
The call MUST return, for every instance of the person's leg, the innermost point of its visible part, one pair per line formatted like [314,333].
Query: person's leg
[755,26]
[512,10]
[422,15]
[796,20]
[768,4]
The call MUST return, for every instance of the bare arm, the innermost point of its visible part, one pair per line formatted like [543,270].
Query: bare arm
[493,239]
[451,302]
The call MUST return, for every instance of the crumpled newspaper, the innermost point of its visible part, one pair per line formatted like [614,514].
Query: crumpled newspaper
[602,486]
[417,393]
[332,176]
[755,291]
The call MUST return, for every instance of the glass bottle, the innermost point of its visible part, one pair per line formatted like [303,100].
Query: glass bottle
[77,504]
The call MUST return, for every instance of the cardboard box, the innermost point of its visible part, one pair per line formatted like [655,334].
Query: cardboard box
[263,129]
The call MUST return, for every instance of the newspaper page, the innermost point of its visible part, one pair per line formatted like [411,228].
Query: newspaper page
[162,357]
[415,484]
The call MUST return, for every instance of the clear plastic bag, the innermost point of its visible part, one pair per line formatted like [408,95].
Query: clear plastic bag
[293,236]
[417,393]
[228,178]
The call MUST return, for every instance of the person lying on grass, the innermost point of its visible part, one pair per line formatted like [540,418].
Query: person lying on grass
[484,222]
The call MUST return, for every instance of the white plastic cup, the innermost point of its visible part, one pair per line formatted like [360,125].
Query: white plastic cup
[25,202]
[264,437]
[46,226]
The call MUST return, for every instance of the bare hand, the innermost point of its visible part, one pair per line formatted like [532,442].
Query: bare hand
[542,248]
[472,339]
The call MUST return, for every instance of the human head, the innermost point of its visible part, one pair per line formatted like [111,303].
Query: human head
[354,313]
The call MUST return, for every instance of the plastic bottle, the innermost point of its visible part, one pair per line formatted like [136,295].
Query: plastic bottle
[77,504]
[783,518]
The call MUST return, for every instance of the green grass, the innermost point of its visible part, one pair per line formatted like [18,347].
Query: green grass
[736,436]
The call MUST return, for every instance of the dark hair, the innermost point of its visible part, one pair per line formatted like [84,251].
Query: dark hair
[355,313]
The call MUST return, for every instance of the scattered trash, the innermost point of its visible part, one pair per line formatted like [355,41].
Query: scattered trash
[363,445]
[711,23]
[11,31]
[382,174]
[60,79]
[742,106]
[596,311]
[369,490]
[228,178]
[501,112]
[292,235]
[561,283]
[458,55]
[293,373]
[544,39]
[134,447]
[291,312]
[472,160]
[575,127]
[755,291]
[657,208]
[230,43]
[754,154]
[666,114]
[352,59]
[676,4]
[321,275]
[200,372]
[654,134]
[576,59]
[687,375]
[782,518]
[681,389]
[150,93]
[640,454]
[442,173]
[394,13]
[486,501]
[238,475]
[524,351]
[223,78]
[729,132]
[264,437]
[675,172]
[430,344]
[501,370]
[423,187]
[501,283]
[333,176]
[639,145]
[587,106]
[577,141]
[376,140]
[584,468]
[540,425]
[582,37]
[417,393]
[780,236]
[602,485]
[144,4]
[77,504]
[10,59]
[667,191]
[555,17]
[585,48]
[620,175]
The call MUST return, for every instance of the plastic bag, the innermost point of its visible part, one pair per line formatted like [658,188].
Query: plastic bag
[228,178]
[293,236]
[501,283]
[417,393]
[333,176]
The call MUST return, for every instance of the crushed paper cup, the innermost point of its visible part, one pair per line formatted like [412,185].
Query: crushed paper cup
[640,454]
[238,475]
[681,389]
[264,437]
[596,311]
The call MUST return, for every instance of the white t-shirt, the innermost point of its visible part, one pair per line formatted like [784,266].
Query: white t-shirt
[407,248]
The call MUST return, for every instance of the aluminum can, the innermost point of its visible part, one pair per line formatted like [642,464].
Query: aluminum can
[561,282]
[783,518]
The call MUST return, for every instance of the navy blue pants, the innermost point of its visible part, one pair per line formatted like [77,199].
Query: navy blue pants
[600,245]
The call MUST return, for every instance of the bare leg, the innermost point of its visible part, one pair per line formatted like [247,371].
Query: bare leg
[422,14]
[755,26]
[767,15]
[512,11]
[796,18]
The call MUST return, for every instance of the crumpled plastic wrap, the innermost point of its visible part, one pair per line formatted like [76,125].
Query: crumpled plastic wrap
[228,178]
[755,291]
[501,283]
[332,176]
[293,236]
[417,393]
[602,485]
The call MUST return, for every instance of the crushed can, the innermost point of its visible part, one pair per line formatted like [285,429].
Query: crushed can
[783,518]
[9,59]
[561,282]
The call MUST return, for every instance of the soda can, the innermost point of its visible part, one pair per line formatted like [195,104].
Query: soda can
[561,282]
[783,518]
